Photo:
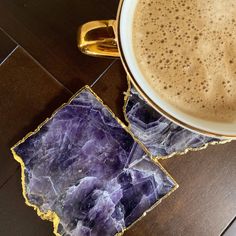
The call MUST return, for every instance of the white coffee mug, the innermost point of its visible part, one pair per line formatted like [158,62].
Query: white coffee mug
[114,38]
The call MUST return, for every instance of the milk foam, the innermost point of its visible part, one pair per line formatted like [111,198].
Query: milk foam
[187,51]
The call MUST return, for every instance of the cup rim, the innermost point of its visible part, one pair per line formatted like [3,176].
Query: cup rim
[148,99]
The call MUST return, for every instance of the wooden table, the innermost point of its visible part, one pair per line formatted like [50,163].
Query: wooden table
[41,68]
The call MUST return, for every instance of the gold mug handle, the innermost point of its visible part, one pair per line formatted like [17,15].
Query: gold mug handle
[98,39]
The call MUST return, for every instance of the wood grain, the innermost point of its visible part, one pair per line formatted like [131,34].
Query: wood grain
[28,94]
[6,46]
[205,203]
[111,88]
[16,218]
[47,30]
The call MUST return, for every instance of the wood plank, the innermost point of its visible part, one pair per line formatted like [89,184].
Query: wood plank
[47,30]
[16,218]
[111,87]
[6,46]
[28,94]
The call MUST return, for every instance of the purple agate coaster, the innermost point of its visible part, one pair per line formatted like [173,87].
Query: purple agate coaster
[160,136]
[84,171]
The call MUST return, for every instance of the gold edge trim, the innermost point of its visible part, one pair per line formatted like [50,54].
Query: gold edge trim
[187,150]
[149,210]
[52,216]
[126,100]
[49,215]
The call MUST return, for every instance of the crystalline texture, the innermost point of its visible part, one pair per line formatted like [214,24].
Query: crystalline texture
[161,137]
[86,168]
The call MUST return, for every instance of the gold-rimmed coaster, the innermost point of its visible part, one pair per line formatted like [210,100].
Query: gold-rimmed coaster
[162,138]
[83,170]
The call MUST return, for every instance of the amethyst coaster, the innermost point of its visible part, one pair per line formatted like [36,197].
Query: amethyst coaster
[83,170]
[161,137]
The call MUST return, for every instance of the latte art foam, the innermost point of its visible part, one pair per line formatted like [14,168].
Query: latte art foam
[187,52]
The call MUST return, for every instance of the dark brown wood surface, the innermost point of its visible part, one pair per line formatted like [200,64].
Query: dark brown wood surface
[41,68]
[7,46]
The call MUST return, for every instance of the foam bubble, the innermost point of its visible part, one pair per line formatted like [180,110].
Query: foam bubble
[186,49]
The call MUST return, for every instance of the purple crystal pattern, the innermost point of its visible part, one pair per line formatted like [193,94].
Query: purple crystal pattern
[86,168]
[161,137]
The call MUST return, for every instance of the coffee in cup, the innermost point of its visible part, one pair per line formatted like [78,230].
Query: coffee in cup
[186,50]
